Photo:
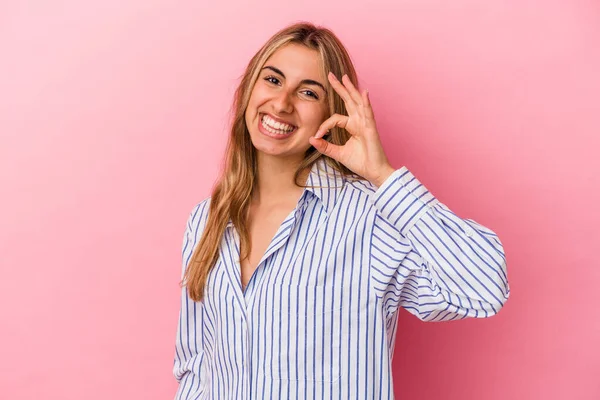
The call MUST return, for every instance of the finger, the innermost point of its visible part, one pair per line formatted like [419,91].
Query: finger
[335,120]
[352,90]
[343,92]
[367,105]
[329,149]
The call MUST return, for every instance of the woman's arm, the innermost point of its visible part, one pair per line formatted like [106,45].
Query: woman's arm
[189,340]
[431,262]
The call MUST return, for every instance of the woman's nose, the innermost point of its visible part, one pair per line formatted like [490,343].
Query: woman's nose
[283,102]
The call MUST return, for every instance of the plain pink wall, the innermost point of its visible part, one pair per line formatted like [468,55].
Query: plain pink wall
[113,121]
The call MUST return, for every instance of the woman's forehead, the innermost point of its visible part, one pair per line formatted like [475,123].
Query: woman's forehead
[296,62]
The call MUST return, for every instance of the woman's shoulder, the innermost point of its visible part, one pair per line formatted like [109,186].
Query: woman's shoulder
[199,213]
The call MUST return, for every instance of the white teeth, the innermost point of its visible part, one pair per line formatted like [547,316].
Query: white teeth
[274,125]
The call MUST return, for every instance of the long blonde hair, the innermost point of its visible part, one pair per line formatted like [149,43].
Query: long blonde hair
[230,196]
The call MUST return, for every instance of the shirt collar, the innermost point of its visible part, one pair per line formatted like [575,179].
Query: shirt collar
[323,174]
[331,180]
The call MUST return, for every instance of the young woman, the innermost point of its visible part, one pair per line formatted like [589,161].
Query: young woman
[294,269]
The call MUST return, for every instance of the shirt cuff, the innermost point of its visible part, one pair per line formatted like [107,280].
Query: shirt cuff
[402,200]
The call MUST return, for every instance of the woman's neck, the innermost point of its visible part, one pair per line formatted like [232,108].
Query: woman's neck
[275,182]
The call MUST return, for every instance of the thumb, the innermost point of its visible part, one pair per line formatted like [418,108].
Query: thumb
[324,147]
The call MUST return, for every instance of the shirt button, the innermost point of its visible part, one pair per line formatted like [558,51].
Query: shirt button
[468,230]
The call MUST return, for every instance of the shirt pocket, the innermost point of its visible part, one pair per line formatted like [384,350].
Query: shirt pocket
[304,341]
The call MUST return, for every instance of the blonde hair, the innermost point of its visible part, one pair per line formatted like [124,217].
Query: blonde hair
[230,196]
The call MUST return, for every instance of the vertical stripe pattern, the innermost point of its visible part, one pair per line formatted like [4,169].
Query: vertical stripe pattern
[318,319]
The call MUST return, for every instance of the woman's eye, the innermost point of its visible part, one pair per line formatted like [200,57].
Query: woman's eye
[268,78]
[275,81]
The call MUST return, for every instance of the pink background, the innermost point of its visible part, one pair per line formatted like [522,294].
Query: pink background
[113,122]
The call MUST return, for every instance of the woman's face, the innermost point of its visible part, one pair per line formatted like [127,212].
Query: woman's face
[291,93]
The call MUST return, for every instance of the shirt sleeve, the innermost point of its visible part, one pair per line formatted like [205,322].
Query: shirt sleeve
[189,339]
[428,260]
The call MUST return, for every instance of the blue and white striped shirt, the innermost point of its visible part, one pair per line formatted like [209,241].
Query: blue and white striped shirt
[318,317]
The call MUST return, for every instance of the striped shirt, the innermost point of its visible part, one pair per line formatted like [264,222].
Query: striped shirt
[318,317]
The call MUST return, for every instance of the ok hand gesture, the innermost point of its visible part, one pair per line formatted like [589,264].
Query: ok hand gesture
[362,153]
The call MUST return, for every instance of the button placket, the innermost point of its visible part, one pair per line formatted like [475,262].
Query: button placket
[245,356]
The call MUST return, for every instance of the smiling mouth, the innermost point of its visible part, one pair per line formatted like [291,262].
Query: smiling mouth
[274,127]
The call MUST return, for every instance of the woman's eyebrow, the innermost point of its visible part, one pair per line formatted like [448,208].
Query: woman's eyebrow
[304,81]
